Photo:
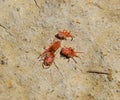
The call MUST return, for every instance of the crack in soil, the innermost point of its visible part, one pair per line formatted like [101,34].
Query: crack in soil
[36,4]
[6,30]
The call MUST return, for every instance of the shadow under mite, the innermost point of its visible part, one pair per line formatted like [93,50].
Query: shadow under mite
[61,38]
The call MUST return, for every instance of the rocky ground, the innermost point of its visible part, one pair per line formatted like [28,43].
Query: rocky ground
[27,26]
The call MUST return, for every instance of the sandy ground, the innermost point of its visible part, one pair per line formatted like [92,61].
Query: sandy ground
[27,26]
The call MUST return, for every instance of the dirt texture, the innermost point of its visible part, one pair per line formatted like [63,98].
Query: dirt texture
[29,26]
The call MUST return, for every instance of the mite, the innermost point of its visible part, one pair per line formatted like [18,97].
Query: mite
[49,59]
[64,34]
[52,48]
[69,52]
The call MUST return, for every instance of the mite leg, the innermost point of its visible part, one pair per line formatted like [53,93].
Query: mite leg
[58,69]
[71,38]
[76,63]
[74,60]
[38,61]
[68,59]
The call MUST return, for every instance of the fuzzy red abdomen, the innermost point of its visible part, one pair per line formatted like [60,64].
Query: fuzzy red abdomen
[48,61]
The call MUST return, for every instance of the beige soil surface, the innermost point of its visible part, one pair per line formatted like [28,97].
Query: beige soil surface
[27,26]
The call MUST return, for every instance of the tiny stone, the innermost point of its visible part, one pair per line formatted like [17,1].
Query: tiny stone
[2,62]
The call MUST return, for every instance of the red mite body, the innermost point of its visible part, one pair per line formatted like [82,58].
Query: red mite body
[52,48]
[49,59]
[64,34]
[69,52]
[49,54]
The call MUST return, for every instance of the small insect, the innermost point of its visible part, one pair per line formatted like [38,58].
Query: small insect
[69,52]
[64,34]
[49,59]
[52,48]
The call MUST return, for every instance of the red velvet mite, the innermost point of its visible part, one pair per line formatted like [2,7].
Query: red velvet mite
[64,34]
[69,52]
